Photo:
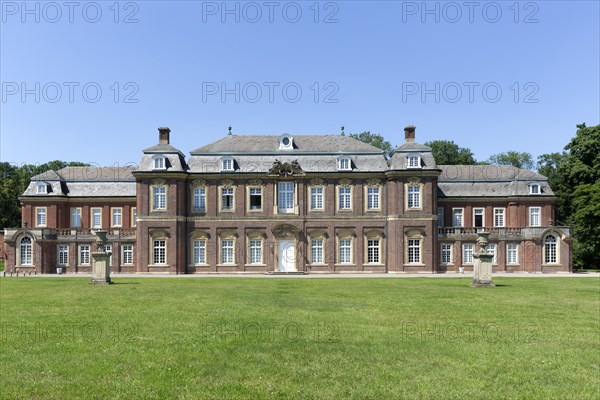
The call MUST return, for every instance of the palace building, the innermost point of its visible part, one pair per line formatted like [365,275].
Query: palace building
[288,204]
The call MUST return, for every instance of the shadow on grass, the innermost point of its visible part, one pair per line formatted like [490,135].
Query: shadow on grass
[125,283]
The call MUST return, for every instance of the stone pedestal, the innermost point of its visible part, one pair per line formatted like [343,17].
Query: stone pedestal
[482,268]
[101,269]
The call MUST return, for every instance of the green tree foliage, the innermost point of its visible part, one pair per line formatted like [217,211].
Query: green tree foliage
[374,139]
[586,222]
[513,158]
[446,152]
[13,182]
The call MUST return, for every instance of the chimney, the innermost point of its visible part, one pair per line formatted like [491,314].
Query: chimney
[409,133]
[163,135]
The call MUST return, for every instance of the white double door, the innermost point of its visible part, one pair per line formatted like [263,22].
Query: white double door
[286,256]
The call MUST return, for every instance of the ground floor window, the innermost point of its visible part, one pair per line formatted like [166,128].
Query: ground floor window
[316,251]
[468,253]
[227,251]
[345,251]
[199,256]
[512,253]
[446,256]
[159,252]
[63,254]
[255,251]
[127,254]
[373,251]
[84,254]
[550,250]
[414,251]
[26,251]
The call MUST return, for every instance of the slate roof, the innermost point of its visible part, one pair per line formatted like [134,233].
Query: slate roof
[489,181]
[244,144]
[86,182]
[399,160]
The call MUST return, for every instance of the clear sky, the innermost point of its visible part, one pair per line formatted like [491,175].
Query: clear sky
[92,81]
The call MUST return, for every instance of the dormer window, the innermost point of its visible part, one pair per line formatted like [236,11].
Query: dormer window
[227,164]
[286,142]
[535,188]
[413,162]
[344,164]
[42,188]
[159,162]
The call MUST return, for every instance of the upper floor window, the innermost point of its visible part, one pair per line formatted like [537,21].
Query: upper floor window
[316,198]
[285,197]
[41,188]
[286,142]
[413,162]
[344,164]
[414,196]
[345,198]
[227,164]
[457,217]
[134,216]
[373,198]
[534,216]
[96,218]
[535,188]
[255,195]
[40,219]
[199,199]
[159,197]
[117,217]
[227,198]
[440,215]
[159,162]
[76,217]
[479,217]
[499,217]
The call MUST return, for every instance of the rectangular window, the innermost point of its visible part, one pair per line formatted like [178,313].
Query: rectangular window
[457,217]
[345,251]
[199,199]
[478,217]
[344,164]
[499,217]
[159,256]
[117,217]
[227,198]
[40,216]
[373,198]
[373,251]
[534,216]
[227,251]
[159,198]
[316,198]
[134,216]
[491,249]
[512,253]
[255,251]
[414,196]
[345,199]
[467,253]
[227,164]
[199,252]
[446,255]
[84,254]
[414,251]
[440,215]
[255,198]
[414,162]
[108,249]
[63,254]
[316,251]
[127,254]
[76,217]
[285,199]
[96,218]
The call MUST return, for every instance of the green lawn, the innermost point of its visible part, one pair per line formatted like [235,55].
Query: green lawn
[230,338]
[1,265]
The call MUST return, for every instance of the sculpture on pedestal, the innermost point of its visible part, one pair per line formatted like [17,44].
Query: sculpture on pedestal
[101,265]
[482,270]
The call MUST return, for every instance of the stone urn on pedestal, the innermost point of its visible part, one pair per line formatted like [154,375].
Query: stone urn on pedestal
[101,265]
[482,268]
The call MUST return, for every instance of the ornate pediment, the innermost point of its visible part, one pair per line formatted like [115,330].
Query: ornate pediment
[286,168]
[254,182]
[198,183]
[373,182]
[316,182]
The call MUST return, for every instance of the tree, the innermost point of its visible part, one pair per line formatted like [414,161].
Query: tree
[586,222]
[446,152]
[513,158]
[374,139]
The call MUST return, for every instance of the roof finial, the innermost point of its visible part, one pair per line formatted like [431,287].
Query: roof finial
[342,133]
[229,129]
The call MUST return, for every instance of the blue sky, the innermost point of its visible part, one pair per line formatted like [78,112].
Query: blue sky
[92,81]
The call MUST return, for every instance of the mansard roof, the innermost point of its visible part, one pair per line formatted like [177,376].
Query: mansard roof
[489,181]
[85,182]
[269,144]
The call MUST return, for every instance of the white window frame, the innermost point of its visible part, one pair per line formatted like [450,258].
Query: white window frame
[159,163]
[227,164]
[227,192]
[414,198]
[440,215]
[116,217]
[317,200]
[344,164]
[476,212]
[127,251]
[108,248]
[41,216]
[373,194]
[159,197]
[41,188]
[76,213]
[467,253]
[535,188]
[446,254]
[535,216]
[26,251]
[93,225]
[499,217]
[199,198]
[199,251]
[254,189]
[84,254]
[159,251]
[512,253]
[345,253]
[286,192]
[413,251]
[227,251]
[344,199]
[133,216]
[455,213]
[413,161]
[493,249]
[62,254]
[255,251]
[316,251]
[551,250]
[373,253]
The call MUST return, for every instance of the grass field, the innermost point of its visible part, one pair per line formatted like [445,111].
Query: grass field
[230,338]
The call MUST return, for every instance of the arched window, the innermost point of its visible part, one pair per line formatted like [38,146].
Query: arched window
[550,250]
[26,251]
